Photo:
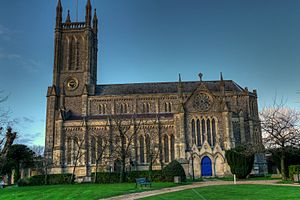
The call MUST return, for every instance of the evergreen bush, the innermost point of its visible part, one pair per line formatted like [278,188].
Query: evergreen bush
[173,169]
[240,161]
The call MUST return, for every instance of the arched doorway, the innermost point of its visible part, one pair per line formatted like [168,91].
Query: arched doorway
[206,169]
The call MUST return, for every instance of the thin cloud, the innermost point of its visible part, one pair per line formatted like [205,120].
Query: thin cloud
[28,120]
[28,138]
[4,33]
[30,65]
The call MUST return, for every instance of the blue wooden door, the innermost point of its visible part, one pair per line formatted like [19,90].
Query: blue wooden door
[206,169]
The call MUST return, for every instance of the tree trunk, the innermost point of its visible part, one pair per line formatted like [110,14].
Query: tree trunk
[123,171]
[150,168]
[282,165]
[46,175]
[96,171]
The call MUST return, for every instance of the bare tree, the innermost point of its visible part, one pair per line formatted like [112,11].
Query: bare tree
[280,129]
[100,147]
[152,142]
[38,150]
[6,142]
[124,133]
[78,150]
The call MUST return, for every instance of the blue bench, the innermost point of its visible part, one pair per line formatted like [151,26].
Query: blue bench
[142,182]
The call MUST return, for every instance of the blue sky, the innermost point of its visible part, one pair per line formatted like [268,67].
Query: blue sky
[253,42]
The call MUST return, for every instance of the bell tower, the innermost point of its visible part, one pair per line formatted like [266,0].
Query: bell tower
[75,56]
[74,74]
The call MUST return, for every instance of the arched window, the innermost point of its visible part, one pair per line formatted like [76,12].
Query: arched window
[121,108]
[148,152]
[104,109]
[198,133]
[144,108]
[75,150]
[148,107]
[214,134]
[172,147]
[166,148]
[99,149]
[74,54]
[71,54]
[170,107]
[142,155]
[100,109]
[203,130]
[209,139]
[69,151]
[166,107]
[93,150]
[193,132]
[125,108]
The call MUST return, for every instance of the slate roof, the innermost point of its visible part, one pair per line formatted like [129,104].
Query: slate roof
[163,87]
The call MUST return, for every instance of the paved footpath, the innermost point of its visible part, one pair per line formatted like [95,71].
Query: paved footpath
[194,185]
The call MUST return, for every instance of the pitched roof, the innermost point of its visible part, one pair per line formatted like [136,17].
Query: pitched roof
[162,87]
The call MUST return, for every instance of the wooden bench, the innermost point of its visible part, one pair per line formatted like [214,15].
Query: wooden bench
[142,182]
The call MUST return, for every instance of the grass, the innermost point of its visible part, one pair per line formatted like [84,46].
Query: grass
[230,178]
[234,192]
[76,191]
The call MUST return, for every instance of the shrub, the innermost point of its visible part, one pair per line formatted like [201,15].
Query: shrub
[154,175]
[294,169]
[173,169]
[292,157]
[240,161]
[53,179]
[107,177]
[114,177]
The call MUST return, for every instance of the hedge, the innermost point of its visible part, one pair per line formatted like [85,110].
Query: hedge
[114,177]
[53,179]
[293,169]
[173,169]
[240,163]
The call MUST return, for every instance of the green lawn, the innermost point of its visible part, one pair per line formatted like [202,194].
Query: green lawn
[76,191]
[232,192]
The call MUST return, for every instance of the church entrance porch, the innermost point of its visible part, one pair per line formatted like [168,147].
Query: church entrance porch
[206,166]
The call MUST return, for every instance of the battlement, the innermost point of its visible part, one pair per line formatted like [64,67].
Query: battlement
[73,25]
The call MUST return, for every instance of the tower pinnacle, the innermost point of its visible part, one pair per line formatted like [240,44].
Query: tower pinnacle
[95,22]
[58,14]
[88,15]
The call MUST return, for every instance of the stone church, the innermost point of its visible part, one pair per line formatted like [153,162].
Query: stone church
[193,122]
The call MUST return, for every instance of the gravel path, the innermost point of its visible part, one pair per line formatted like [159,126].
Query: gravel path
[194,185]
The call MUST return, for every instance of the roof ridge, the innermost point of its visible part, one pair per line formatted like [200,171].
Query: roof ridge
[140,83]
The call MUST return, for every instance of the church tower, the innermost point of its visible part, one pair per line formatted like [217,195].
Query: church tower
[74,75]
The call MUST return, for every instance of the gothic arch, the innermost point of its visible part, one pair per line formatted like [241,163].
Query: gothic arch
[219,165]
[172,147]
